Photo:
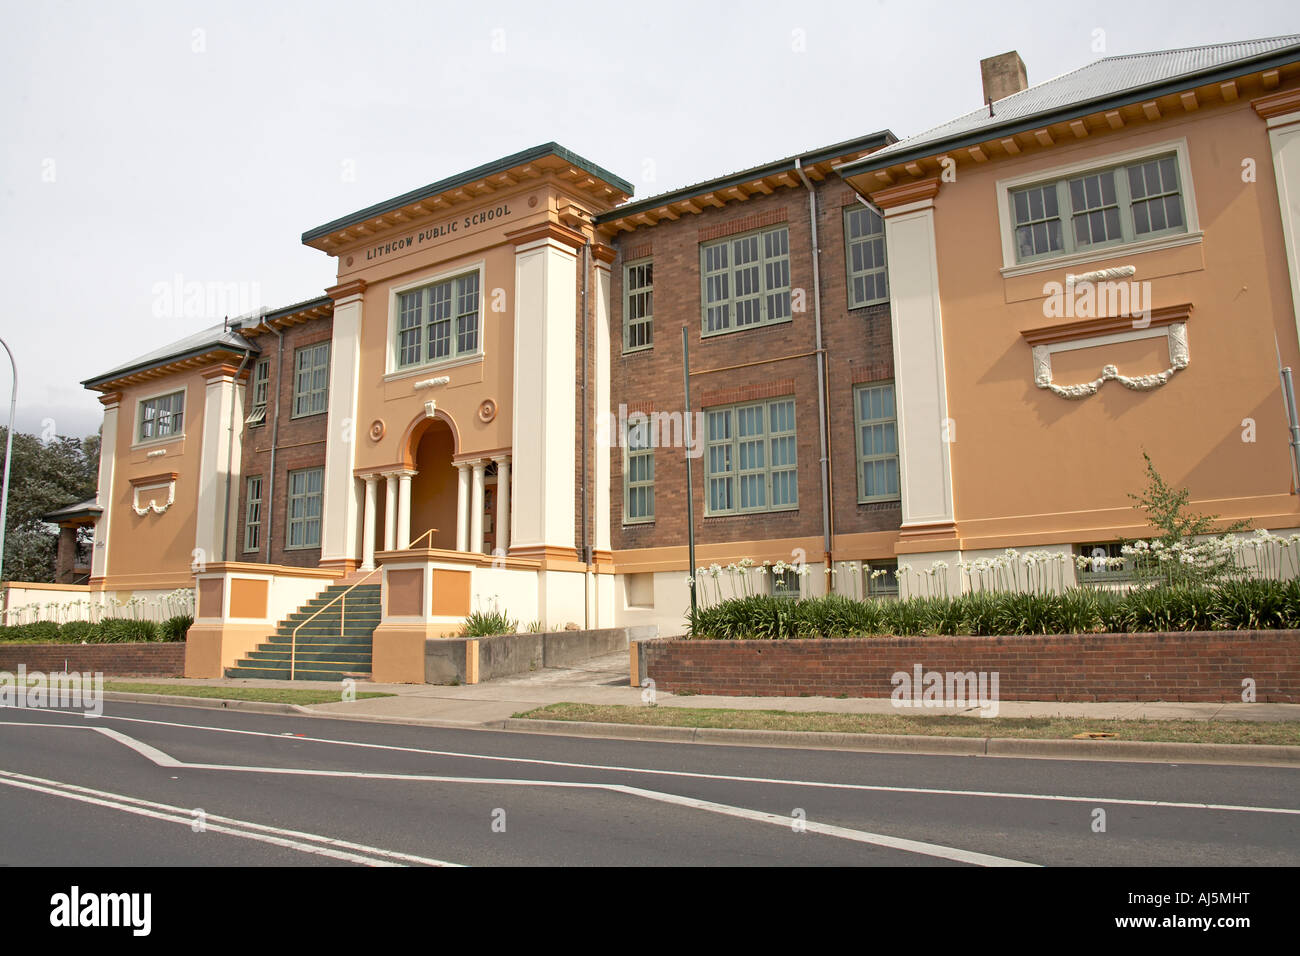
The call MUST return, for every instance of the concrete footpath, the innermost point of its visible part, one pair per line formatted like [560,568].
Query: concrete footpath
[604,680]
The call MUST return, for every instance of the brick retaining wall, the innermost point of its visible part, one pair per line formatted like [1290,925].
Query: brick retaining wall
[1188,666]
[112,660]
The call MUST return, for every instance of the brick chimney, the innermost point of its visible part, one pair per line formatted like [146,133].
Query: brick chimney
[1003,75]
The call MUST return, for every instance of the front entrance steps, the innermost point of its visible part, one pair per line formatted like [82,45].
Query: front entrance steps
[334,645]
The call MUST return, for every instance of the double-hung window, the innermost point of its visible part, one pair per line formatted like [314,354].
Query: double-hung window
[311,379]
[638,305]
[162,416]
[253,514]
[877,428]
[638,474]
[746,280]
[261,392]
[864,244]
[752,457]
[438,322]
[305,494]
[1098,208]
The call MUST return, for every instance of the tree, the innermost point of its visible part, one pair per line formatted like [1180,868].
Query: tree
[44,476]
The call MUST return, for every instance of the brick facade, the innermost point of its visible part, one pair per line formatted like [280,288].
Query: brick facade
[758,362]
[1187,666]
[300,444]
[113,660]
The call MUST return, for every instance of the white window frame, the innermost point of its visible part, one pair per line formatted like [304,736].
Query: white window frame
[305,520]
[253,528]
[297,395]
[858,422]
[644,426]
[393,369]
[1006,223]
[647,319]
[260,384]
[137,441]
[735,473]
[764,291]
[849,273]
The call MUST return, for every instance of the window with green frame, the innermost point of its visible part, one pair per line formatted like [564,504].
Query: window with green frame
[638,473]
[261,392]
[1098,208]
[638,305]
[752,458]
[746,280]
[785,584]
[311,381]
[864,246]
[438,322]
[305,496]
[881,578]
[253,513]
[877,428]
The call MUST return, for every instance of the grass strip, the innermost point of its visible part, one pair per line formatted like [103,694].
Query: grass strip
[1285,733]
[273,695]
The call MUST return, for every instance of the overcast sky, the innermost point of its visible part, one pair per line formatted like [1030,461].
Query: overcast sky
[146,144]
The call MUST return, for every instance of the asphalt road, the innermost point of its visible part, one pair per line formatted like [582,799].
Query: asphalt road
[174,786]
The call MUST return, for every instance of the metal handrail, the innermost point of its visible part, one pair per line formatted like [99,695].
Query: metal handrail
[428,534]
[293,638]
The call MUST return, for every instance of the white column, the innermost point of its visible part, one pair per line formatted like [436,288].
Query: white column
[544,438]
[104,493]
[340,524]
[368,523]
[503,503]
[476,509]
[403,510]
[390,512]
[216,458]
[920,386]
[1284,143]
[462,506]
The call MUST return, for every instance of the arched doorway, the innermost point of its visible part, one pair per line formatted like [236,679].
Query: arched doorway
[433,488]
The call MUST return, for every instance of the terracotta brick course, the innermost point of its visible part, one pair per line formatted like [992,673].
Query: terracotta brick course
[1188,666]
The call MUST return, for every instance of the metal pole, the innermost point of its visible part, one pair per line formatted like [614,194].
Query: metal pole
[690,501]
[1293,421]
[9,456]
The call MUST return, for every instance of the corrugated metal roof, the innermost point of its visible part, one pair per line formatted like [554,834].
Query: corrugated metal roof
[1107,78]
[216,336]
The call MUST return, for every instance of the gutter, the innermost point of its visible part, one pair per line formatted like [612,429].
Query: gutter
[822,399]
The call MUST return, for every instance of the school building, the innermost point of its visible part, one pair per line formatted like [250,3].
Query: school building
[915,351]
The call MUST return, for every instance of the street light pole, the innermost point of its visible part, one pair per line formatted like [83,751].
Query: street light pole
[9,456]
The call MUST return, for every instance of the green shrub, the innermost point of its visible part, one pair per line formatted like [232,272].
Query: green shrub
[175,628]
[45,632]
[75,632]
[1229,605]
[487,623]
[120,630]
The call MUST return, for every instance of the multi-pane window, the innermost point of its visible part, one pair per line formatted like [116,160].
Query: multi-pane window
[439,321]
[162,416]
[261,392]
[881,579]
[785,584]
[877,428]
[864,242]
[752,462]
[1105,564]
[311,379]
[1099,208]
[746,280]
[639,474]
[253,514]
[638,305]
[305,495]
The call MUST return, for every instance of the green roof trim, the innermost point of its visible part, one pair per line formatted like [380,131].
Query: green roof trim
[464,179]
[870,141]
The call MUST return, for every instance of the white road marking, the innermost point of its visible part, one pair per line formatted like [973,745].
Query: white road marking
[816,784]
[245,829]
[843,833]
